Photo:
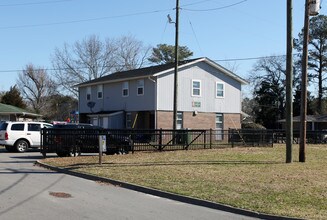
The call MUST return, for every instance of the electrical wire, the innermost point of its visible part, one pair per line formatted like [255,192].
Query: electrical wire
[33,3]
[215,9]
[195,3]
[216,60]
[85,20]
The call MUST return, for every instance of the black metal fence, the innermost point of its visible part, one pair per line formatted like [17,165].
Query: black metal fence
[86,140]
[312,137]
[74,141]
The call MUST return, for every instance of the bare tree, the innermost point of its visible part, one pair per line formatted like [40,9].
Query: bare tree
[36,87]
[268,76]
[130,54]
[93,58]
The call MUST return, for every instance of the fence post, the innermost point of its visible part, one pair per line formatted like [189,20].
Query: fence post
[205,138]
[210,138]
[232,137]
[160,139]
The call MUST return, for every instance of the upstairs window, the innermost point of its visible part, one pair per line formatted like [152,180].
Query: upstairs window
[196,88]
[100,91]
[140,87]
[125,89]
[88,93]
[220,90]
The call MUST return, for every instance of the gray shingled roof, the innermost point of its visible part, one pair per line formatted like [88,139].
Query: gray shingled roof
[152,70]
[142,72]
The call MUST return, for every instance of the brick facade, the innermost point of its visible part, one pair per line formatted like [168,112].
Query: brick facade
[201,120]
[232,121]
[164,120]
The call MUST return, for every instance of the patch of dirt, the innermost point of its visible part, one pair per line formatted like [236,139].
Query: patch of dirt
[60,194]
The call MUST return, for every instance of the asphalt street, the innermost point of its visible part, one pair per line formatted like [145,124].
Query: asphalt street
[32,192]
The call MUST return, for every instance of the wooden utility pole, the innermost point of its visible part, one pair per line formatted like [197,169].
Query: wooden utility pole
[303,128]
[176,67]
[289,82]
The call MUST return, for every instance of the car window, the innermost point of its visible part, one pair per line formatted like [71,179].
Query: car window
[47,126]
[17,127]
[33,127]
[3,126]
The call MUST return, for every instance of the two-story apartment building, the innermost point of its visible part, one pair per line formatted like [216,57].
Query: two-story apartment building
[209,96]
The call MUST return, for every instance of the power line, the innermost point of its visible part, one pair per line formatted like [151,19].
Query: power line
[195,3]
[86,20]
[253,58]
[215,9]
[216,60]
[34,3]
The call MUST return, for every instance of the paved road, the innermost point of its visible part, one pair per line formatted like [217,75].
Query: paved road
[26,192]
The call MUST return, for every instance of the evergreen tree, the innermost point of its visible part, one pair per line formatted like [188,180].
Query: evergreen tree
[317,59]
[13,97]
[164,53]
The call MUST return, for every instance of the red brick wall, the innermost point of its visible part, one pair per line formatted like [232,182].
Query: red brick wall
[232,121]
[199,121]
[164,120]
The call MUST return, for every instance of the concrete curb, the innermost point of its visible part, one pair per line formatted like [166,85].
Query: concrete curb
[172,196]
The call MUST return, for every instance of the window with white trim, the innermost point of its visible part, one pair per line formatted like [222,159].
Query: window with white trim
[196,88]
[220,90]
[88,93]
[179,120]
[219,121]
[140,87]
[100,91]
[219,127]
[125,89]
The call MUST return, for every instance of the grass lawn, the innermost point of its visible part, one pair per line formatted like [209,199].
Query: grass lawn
[251,178]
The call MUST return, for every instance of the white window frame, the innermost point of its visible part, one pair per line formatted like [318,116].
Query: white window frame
[193,88]
[179,120]
[220,90]
[88,93]
[219,120]
[100,92]
[140,85]
[125,87]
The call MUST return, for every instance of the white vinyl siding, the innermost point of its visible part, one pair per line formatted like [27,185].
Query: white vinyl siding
[220,90]
[196,87]
[125,89]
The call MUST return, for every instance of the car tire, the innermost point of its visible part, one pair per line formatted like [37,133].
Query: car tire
[21,146]
[71,154]
[10,148]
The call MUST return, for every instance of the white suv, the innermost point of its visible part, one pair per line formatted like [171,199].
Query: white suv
[19,136]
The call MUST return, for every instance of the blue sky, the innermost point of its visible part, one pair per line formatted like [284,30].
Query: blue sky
[30,30]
